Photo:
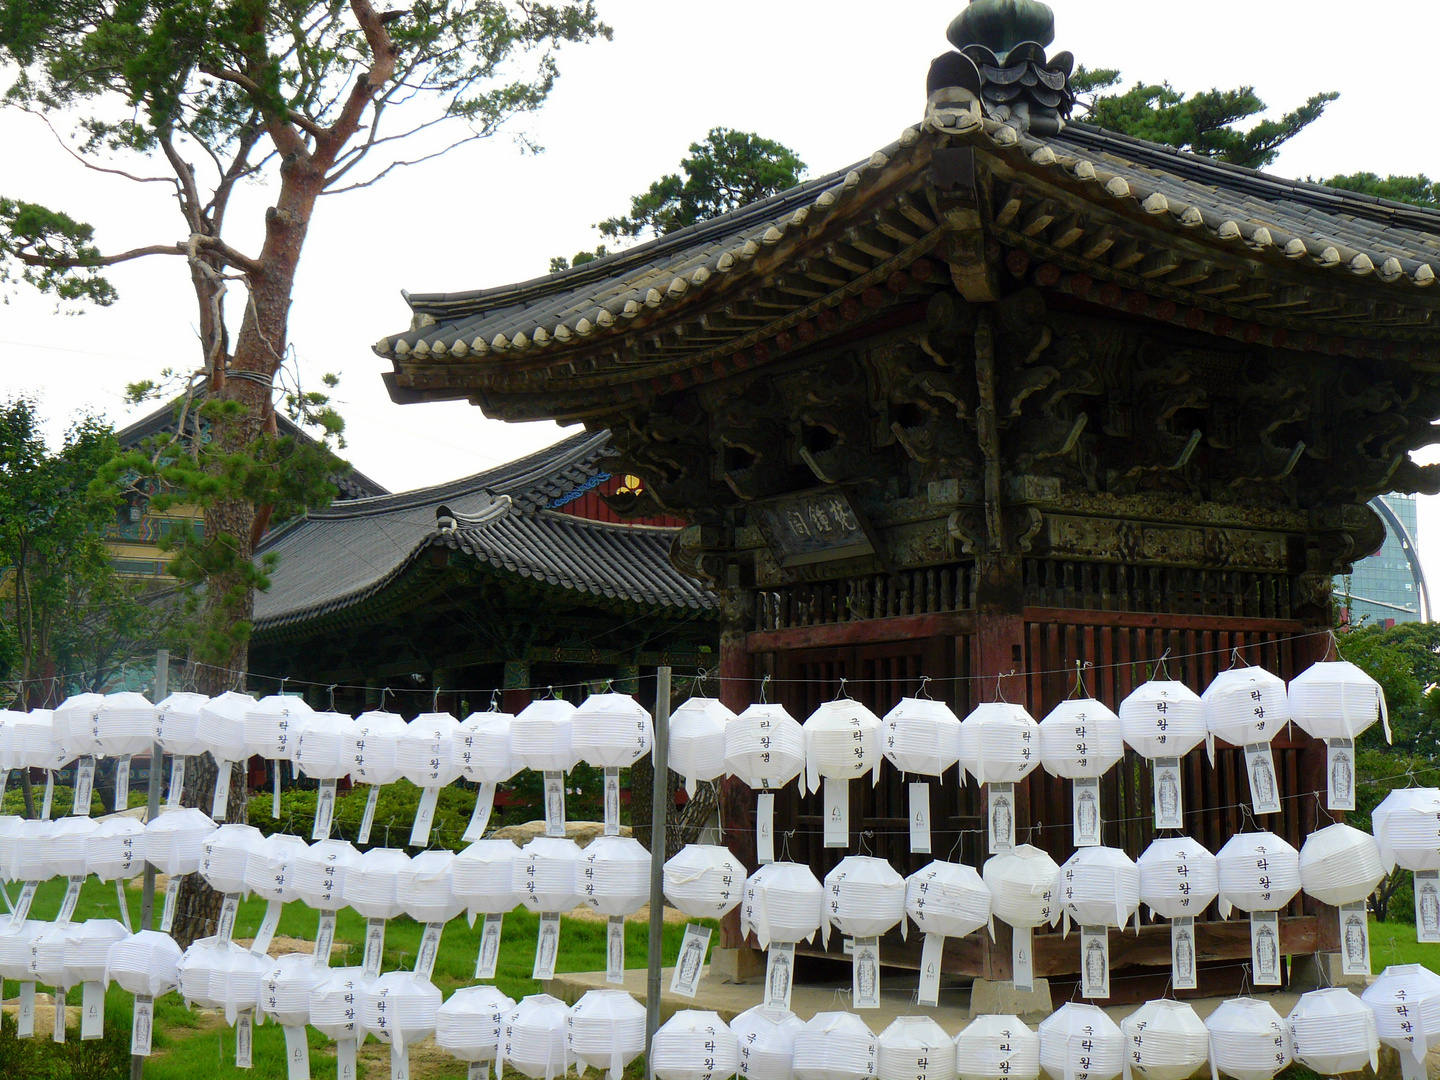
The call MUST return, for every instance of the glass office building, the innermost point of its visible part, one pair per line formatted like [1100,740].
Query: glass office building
[1384,587]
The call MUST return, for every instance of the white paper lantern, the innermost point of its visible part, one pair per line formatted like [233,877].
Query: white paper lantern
[273,726]
[221,975]
[1097,886]
[1166,1040]
[950,899]
[1162,718]
[1257,872]
[371,886]
[1246,705]
[766,1038]
[399,1007]
[65,846]
[483,876]
[783,902]
[335,1003]
[864,896]
[704,881]
[915,1046]
[481,748]
[842,742]
[921,736]
[225,853]
[425,890]
[144,963]
[1080,1040]
[11,829]
[1336,700]
[177,724]
[370,746]
[28,852]
[1178,877]
[270,867]
[285,988]
[1022,886]
[15,942]
[543,876]
[605,1030]
[1405,999]
[468,1024]
[697,740]
[1333,1032]
[321,752]
[425,751]
[611,731]
[126,725]
[175,841]
[999,743]
[75,722]
[613,875]
[997,1048]
[533,1039]
[8,719]
[87,949]
[764,747]
[1407,828]
[318,873]
[1248,1039]
[541,736]
[1080,738]
[835,1046]
[1339,864]
[33,744]
[47,956]
[695,1044]
[221,726]
[116,849]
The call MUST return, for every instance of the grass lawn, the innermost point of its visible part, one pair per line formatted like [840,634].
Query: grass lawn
[190,1044]
[1394,943]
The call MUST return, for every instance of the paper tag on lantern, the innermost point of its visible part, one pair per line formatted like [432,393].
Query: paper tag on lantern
[229,908]
[1182,953]
[22,905]
[297,1053]
[765,827]
[1000,798]
[1022,959]
[57,1026]
[92,1010]
[1265,948]
[1427,905]
[478,1070]
[324,938]
[49,802]
[1169,809]
[399,1061]
[1260,768]
[221,802]
[931,954]
[71,897]
[124,904]
[244,1039]
[690,961]
[429,949]
[1340,774]
[26,1015]
[554,803]
[615,950]
[324,810]
[1410,1069]
[489,954]
[1085,805]
[837,812]
[368,821]
[268,925]
[612,801]
[84,787]
[779,974]
[424,817]
[547,946]
[1094,961]
[4,780]
[122,782]
[275,796]
[167,913]
[345,1059]
[5,895]
[865,973]
[480,817]
[920,818]
[142,1025]
[177,780]
[1354,939]
[374,947]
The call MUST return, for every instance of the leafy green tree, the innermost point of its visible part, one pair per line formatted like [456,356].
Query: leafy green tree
[1405,660]
[1420,189]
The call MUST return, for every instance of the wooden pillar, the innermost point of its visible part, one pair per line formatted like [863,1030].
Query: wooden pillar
[516,680]
[1316,644]
[737,801]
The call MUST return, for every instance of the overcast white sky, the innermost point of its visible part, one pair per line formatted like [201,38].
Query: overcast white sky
[834,80]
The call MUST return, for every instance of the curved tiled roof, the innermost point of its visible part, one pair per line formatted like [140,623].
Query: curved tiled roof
[341,556]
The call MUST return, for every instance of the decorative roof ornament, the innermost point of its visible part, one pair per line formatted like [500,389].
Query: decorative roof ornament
[1001,63]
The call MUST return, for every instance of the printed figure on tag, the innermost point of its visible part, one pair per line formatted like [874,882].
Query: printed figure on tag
[1002,819]
[778,991]
[1184,956]
[1428,905]
[1169,795]
[1267,953]
[1355,941]
[1089,814]
[1342,776]
[1262,780]
[1097,965]
[617,951]
[867,974]
[691,958]
[545,961]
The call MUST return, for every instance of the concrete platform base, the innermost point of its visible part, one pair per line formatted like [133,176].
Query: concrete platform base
[737,965]
[1002,999]
[1315,971]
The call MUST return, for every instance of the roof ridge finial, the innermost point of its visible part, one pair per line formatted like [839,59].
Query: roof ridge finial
[1000,25]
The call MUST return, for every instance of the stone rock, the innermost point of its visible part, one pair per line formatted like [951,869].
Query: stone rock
[582,832]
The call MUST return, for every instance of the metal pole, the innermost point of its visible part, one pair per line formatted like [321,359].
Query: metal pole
[660,794]
[152,810]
